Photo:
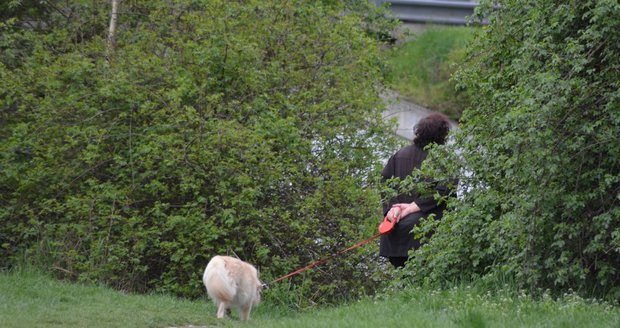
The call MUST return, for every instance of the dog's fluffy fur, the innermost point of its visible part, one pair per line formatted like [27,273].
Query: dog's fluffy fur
[231,282]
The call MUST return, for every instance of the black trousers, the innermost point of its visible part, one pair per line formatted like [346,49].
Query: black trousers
[398,261]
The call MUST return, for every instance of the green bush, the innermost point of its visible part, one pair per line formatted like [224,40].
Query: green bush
[215,128]
[538,153]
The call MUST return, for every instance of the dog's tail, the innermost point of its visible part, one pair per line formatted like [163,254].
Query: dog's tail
[219,284]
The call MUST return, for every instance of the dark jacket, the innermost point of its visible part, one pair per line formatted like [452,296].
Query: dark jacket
[401,240]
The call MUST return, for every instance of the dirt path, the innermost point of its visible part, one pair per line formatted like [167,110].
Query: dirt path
[406,113]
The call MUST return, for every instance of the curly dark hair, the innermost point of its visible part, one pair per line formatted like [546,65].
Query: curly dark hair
[431,129]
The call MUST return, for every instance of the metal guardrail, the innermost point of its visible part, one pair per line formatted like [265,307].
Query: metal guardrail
[452,12]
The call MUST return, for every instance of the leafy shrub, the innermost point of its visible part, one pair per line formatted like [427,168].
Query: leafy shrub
[215,128]
[538,153]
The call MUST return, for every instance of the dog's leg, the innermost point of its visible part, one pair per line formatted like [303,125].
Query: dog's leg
[221,310]
[244,312]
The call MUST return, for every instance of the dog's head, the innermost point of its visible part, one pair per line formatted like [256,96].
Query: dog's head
[259,290]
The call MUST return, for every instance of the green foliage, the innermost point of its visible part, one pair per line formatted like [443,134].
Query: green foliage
[538,153]
[215,128]
[422,68]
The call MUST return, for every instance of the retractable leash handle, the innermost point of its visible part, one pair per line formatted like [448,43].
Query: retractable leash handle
[386,226]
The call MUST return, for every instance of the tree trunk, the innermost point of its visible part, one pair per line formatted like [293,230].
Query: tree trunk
[111,39]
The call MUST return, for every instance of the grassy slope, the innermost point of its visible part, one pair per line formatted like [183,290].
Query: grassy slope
[421,68]
[34,300]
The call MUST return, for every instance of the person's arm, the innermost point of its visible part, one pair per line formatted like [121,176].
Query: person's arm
[423,204]
[401,210]
[429,203]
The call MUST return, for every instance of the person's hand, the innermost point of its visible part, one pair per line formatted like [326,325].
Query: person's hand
[401,210]
[393,214]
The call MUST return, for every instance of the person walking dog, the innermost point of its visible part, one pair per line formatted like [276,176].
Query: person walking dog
[407,209]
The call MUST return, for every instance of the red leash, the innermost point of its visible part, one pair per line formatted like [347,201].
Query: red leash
[384,228]
[327,258]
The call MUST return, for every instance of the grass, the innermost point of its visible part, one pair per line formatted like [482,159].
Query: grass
[458,307]
[30,299]
[421,69]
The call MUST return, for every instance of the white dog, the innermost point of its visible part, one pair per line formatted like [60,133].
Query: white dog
[232,282]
